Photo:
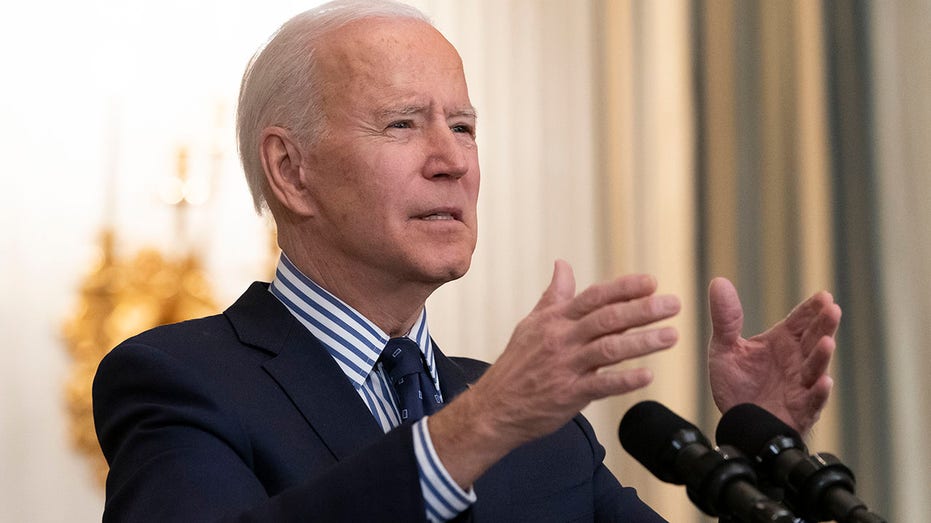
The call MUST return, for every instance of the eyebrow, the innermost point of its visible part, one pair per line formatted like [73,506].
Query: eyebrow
[468,112]
[412,109]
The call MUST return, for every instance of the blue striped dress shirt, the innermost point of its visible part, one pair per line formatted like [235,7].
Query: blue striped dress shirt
[356,343]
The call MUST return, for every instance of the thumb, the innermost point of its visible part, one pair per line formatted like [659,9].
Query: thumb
[561,287]
[727,315]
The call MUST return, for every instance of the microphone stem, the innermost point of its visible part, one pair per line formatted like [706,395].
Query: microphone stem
[751,506]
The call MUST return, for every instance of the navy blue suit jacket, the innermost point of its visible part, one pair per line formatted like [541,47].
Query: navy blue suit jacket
[245,416]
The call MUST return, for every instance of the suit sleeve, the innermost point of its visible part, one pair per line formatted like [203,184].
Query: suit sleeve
[614,502]
[175,455]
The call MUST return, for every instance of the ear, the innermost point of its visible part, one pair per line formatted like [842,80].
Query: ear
[281,160]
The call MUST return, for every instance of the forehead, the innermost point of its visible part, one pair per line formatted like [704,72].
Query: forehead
[386,57]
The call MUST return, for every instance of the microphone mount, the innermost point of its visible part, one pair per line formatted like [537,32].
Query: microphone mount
[816,487]
[719,481]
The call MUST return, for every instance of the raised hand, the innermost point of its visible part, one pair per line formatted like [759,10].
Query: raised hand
[553,366]
[784,369]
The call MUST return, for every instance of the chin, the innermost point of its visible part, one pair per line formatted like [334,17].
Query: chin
[456,274]
[440,273]
[450,273]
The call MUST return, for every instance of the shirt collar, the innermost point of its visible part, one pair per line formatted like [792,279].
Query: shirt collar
[350,338]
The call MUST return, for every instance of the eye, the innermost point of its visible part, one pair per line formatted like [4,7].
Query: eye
[401,124]
[463,128]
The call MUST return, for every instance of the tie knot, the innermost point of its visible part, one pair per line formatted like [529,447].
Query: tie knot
[402,357]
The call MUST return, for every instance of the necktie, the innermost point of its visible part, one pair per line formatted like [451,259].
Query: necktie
[417,396]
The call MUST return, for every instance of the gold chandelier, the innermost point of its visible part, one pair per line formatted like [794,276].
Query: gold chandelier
[121,297]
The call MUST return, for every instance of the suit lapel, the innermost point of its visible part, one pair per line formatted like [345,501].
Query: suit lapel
[305,371]
[453,380]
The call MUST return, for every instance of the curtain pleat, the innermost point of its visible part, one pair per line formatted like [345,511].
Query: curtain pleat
[762,164]
[901,62]
[763,184]
[646,154]
[862,369]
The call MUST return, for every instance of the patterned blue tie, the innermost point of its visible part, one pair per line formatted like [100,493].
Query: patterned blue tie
[417,396]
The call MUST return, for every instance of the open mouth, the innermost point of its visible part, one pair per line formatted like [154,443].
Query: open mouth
[440,215]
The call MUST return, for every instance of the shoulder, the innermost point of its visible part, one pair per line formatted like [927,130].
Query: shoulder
[187,341]
[187,331]
[166,353]
[225,330]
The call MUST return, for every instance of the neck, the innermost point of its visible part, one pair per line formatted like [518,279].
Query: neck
[391,304]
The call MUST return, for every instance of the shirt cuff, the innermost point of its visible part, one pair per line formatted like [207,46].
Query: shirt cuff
[443,498]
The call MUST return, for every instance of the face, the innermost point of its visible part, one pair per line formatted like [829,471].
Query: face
[394,177]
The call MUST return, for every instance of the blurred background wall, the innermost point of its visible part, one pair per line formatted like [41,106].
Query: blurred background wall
[782,144]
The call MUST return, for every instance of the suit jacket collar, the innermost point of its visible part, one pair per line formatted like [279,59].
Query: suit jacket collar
[453,381]
[307,373]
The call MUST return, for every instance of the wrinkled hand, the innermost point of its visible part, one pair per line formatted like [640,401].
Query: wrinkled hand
[553,366]
[784,369]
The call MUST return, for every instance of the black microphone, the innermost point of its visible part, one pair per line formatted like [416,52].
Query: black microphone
[817,487]
[719,481]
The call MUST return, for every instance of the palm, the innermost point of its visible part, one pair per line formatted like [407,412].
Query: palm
[783,369]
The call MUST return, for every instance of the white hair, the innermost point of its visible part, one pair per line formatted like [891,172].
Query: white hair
[281,87]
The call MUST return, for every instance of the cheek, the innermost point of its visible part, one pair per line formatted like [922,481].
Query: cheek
[358,182]
[390,170]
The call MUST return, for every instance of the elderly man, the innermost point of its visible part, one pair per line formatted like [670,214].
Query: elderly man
[357,133]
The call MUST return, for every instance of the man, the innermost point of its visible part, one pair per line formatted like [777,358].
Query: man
[357,132]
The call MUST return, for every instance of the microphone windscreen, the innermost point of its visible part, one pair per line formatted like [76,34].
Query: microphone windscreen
[750,428]
[646,433]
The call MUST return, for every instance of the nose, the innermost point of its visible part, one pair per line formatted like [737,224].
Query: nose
[448,154]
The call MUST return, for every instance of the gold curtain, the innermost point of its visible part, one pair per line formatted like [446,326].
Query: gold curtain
[763,174]
[646,157]
[716,162]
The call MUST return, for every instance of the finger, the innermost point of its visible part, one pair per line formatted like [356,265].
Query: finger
[817,362]
[824,324]
[619,317]
[602,384]
[609,350]
[820,392]
[806,312]
[817,398]
[561,287]
[727,317]
[625,288]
